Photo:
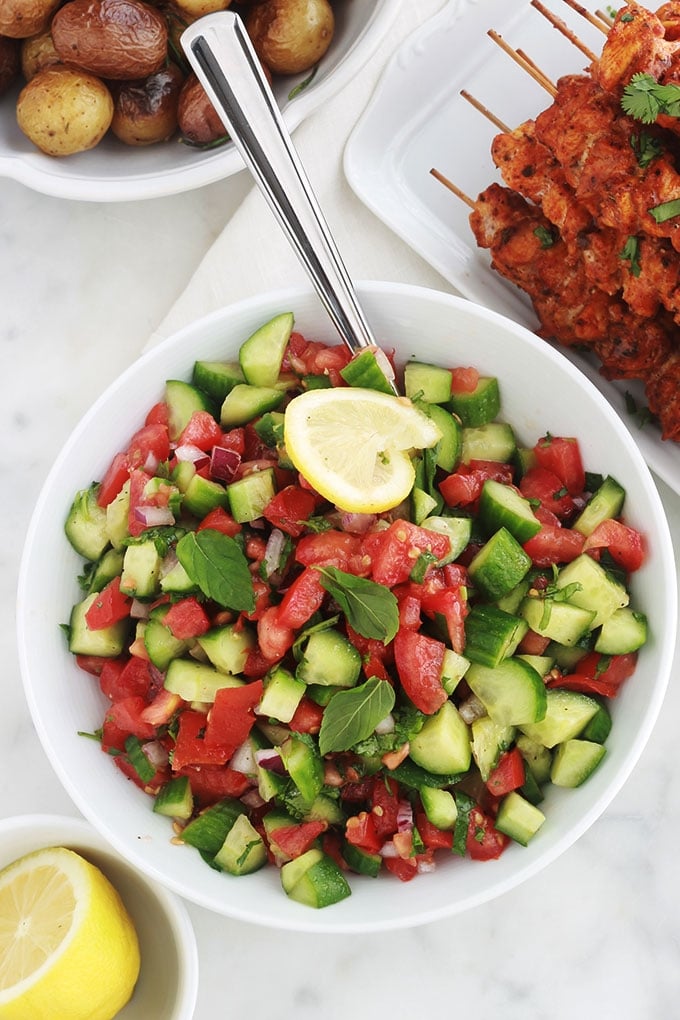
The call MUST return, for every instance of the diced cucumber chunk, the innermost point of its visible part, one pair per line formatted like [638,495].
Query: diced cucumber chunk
[250,495]
[314,879]
[439,807]
[85,525]
[364,370]
[329,659]
[489,740]
[182,399]
[501,506]
[499,566]
[541,663]
[594,588]
[161,645]
[243,850]
[303,765]
[246,402]
[216,378]
[599,727]
[458,531]
[513,693]
[282,695]
[430,383]
[261,355]
[492,635]
[494,441]
[208,831]
[141,570]
[511,602]
[449,449]
[480,406]
[195,681]
[361,861]
[567,714]
[202,495]
[607,501]
[561,621]
[442,745]
[625,631]
[227,647]
[107,642]
[107,567]
[574,760]
[537,757]
[423,504]
[518,819]
[454,668]
[177,581]
[117,517]
[175,799]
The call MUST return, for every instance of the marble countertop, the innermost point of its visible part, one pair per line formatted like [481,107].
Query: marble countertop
[596,934]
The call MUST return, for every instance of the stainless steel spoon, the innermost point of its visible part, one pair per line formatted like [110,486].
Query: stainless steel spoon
[220,52]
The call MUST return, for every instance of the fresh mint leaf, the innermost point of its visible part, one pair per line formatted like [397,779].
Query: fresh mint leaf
[370,608]
[217,565]
[352,715]
[465,805]
[138,759]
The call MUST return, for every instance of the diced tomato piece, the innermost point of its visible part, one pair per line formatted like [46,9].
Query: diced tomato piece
[210,783]
[432,837]
[307,717]
[153,785]
[158,415]
[554,544]
[191,747]
[452,605]
[360,831]
[113,481]
[262,593]
[394,551]
[124,719]
[464,486]
[149,446]
[273,637]
[235,440]
[231,717]
[294,840]
[384,806]
[330,548]
[187,619]
[219,520]
[202,431]
[484,842]
[404,868]
[464,380]
[562,456]
[548,488]
[289,509]
[598,674]
[409,611]
[508,775]
[140,497]
[625,544]
[419,660]
[533,643]
[136,677]
[161,710]
[256,665]
[92,664]
[302,599]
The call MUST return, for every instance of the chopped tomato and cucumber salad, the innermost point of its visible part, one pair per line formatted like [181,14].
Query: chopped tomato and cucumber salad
[343,632]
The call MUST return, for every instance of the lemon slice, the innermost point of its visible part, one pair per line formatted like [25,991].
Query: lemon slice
[68,948]
[352,445]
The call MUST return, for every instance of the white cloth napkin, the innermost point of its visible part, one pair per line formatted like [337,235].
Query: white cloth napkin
[252,254]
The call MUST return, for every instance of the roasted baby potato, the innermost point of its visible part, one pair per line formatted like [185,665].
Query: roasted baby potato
[196,115]
[63,110]
[21,18]
[38,52]
[10,50]
[290,36]
[116,39]
[197,8]
[145,111]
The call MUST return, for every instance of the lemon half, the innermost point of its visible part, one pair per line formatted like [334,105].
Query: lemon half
[68,948]
[353,445]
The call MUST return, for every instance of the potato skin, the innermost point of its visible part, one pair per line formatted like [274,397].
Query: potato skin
[198,120]
[63,110]
[290,36]
[197,8]
[10,61]
[145,112]
[116,39]
[38,52]
[21,18]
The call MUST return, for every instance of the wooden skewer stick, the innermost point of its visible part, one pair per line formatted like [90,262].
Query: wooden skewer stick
[605,18]
[563,29]
[594,19]
[527,62]
[452,187]
[485,111]
[529,67]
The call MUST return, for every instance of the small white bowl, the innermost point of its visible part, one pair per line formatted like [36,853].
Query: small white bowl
[167,986]
[113,172]
[541,392]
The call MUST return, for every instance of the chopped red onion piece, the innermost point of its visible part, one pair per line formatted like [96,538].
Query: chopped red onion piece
[388,849]
[151,463]
[404,816]
[191,453]
[385,725]
[424,866]
[243,759]
[276,543]
[224,463]
[471,709]
[269,759]
[252,799]
[156,753]
[357,524]
[154,516]
[139,610]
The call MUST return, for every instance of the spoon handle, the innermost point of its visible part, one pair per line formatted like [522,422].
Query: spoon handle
[221,54]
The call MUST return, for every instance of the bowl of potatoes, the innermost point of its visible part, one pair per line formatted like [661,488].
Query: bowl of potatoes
[98,103]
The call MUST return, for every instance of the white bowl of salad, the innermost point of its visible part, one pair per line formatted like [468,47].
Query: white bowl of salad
[323,659]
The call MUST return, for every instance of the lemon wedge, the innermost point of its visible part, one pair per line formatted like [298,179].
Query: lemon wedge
[353,445]
[68,948]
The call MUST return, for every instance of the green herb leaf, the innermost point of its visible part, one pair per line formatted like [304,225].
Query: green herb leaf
[464,804]
[163,536]
[545,237]
[665,211]
[646,148]
[352,715]
[644,98]
[370,608]
[631,253]
[301,86]
[138,759]
[217,565]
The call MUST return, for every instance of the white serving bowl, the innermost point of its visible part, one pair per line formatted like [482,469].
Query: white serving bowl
[113,172]
[168,978]
[541,392]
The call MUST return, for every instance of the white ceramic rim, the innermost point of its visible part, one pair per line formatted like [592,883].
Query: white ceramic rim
[373,294]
